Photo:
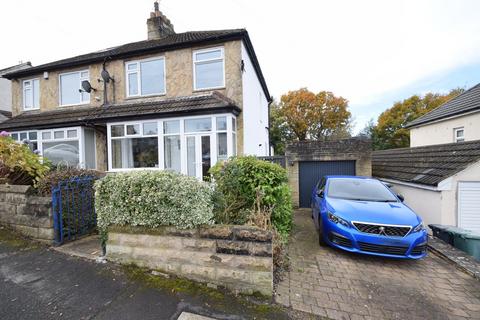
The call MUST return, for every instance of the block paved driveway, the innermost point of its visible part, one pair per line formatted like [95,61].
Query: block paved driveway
[340,285]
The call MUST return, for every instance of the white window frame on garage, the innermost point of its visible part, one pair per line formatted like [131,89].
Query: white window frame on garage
[32,86]
[458,138]
[138,72]
[81,94]
[183,136]
[206,61]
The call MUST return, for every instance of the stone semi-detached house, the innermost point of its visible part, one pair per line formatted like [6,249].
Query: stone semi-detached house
[177,101]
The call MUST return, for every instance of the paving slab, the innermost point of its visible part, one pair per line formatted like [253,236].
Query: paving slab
[343,285]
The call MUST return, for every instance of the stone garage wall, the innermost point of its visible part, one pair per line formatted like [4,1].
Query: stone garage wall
[356,149]
[235,257]
[28,214]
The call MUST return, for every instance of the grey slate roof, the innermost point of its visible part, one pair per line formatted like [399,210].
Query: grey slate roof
[192,105]
[171,42]
[426,165]
[465,102]
[5,113]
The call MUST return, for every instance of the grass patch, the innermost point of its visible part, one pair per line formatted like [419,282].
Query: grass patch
[14,239]
[257,306]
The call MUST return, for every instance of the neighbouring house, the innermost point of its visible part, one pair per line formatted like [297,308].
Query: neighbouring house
[439,175]
[455,121]
[177,101]
[6,90]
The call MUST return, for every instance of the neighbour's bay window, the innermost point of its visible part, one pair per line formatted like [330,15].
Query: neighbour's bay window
[31,94]
[189,145]
[27,137]
[145,77]
[209,68]
[73,147]
[70,85]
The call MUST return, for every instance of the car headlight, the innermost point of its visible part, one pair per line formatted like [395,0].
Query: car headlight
[418,228]
[336,219]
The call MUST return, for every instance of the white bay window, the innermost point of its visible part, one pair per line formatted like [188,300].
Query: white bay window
[189,145]
[73,146]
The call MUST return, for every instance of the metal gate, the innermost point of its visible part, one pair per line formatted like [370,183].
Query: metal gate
[73,209]
[310,172]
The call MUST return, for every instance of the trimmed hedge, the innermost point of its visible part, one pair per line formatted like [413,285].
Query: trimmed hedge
[152,199]
[250,187]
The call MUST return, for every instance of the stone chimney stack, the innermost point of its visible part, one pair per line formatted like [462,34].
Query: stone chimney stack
[158,24]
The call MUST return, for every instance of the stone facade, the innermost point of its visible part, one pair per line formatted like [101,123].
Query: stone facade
[179,83]
[358,150]
[28,214]
[236,257]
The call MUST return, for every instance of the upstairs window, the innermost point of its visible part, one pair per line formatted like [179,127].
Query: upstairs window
[31,94]
[208,69]
[70,85]
[145,77]
[459,134]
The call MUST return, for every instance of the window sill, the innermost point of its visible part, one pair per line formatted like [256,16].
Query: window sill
[210,89]
[74,105]
[146,96]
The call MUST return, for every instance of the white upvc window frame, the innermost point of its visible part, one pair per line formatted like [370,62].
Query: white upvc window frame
[195,62]
[139,77]
[81,102]
[456,138]
[35,102]
[183,138]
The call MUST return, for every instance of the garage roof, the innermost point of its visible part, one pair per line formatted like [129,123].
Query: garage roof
[427,165]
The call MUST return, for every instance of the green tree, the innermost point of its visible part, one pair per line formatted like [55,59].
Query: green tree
[303,115]
[390,131]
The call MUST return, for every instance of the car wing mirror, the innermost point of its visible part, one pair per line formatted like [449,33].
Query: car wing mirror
[402,198]
[320,193]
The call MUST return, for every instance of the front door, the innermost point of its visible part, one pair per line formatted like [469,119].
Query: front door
[198,156]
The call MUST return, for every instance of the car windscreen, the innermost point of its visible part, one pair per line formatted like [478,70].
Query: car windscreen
[359,189]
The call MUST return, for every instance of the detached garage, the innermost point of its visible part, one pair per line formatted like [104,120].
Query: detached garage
[440,182]
[308,161]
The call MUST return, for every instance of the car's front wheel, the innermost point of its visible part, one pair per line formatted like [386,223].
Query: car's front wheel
[321,240]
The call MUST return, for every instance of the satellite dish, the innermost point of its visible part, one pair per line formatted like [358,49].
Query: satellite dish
[106,76]
[86,86]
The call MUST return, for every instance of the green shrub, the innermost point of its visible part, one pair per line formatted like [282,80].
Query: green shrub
[252,186]
[152,199]
[18,164]
[62,173]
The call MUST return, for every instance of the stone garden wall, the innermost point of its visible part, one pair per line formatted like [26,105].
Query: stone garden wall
[235,257]
[28,214]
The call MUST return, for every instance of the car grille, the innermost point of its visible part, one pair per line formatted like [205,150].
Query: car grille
[340,240]
[418,250]
[384,230]
[369,247]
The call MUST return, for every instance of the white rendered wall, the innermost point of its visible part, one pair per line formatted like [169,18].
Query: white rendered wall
[426,203]
[255,111]
[5,94]
[442,132]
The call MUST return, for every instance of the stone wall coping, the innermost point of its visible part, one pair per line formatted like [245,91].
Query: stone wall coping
[13,188]
[219,232]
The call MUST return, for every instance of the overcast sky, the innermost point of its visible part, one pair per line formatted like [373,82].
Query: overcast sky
[371,52]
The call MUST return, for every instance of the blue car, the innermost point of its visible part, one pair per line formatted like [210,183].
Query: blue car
[363,215]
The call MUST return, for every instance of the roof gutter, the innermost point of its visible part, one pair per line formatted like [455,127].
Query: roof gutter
[452,116]
[413,185]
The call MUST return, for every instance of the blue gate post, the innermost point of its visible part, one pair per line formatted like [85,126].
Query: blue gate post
[57,214]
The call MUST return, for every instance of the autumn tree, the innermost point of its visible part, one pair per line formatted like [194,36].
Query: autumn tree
[390,131]
[303,115]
